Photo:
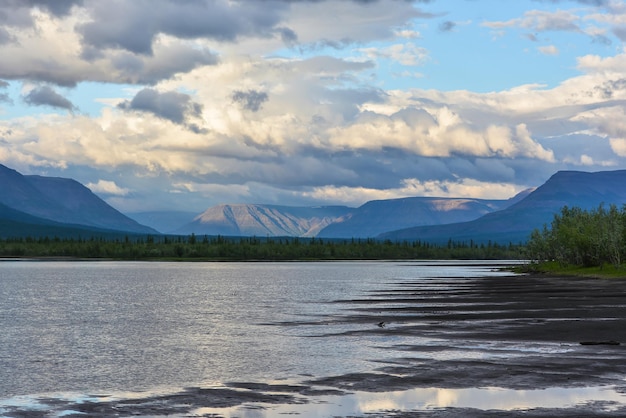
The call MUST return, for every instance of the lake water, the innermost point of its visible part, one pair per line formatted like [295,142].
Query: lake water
[79,328]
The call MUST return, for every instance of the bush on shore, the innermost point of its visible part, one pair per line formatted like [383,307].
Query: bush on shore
[586,238]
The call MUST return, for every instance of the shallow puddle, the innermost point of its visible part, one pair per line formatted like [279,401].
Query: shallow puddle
[429,399]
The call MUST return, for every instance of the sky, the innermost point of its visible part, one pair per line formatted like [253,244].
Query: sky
[187,104]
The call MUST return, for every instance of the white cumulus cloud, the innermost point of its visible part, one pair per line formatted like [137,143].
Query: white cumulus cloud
[108,187]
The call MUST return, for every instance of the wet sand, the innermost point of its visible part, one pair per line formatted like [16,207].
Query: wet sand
[520,332]
[529,314]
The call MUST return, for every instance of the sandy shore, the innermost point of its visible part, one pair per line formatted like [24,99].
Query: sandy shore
[522,333]
[532,314]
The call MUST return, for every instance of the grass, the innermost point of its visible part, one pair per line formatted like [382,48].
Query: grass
[553,268]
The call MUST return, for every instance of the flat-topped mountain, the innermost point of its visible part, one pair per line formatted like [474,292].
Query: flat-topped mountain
[264,220]
[515,223]
[63,201]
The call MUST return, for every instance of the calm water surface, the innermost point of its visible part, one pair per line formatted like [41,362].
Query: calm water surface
[96,327]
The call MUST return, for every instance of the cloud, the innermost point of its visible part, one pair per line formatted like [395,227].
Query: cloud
[51,63]
[120,24]
[588,2]
[171,105]
[5,36]
[19,12]
[52,53]
[549,50]
[47,96]
[601,39]
[447,26]
[598,23]
[4,97]
[595,64]
[288,36]
[168,61]
[441,133]
[541,21]
[146,42]
[409,187]
[407,54]
[620,32]
[408,34]
[57,8]
[609,88]
[108,188]
[608,122]
[351,23]
[251,100]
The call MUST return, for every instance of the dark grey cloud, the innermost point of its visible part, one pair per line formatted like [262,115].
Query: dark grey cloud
[114,66]
[133,25]
[4,97]
[14,14]
[531,37]
[55,7]
[447,26]
[288,36]
[47,96]
[620,32]
[5,36]
[327,43]
[601,39]
[171,105]
[607,89]
[47,71]
[250,100]
[18,12]
[138,69]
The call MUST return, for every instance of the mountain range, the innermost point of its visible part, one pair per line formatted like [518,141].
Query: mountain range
[264,220]
[379,216]
[50,206]
[366,221]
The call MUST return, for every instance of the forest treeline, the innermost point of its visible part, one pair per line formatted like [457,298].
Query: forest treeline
[586,238]
[251,248]
[576,237]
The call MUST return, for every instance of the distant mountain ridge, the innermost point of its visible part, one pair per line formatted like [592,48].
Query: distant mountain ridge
[165,221]
[54,200]
[379,216]
[263,220]
[515,223]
